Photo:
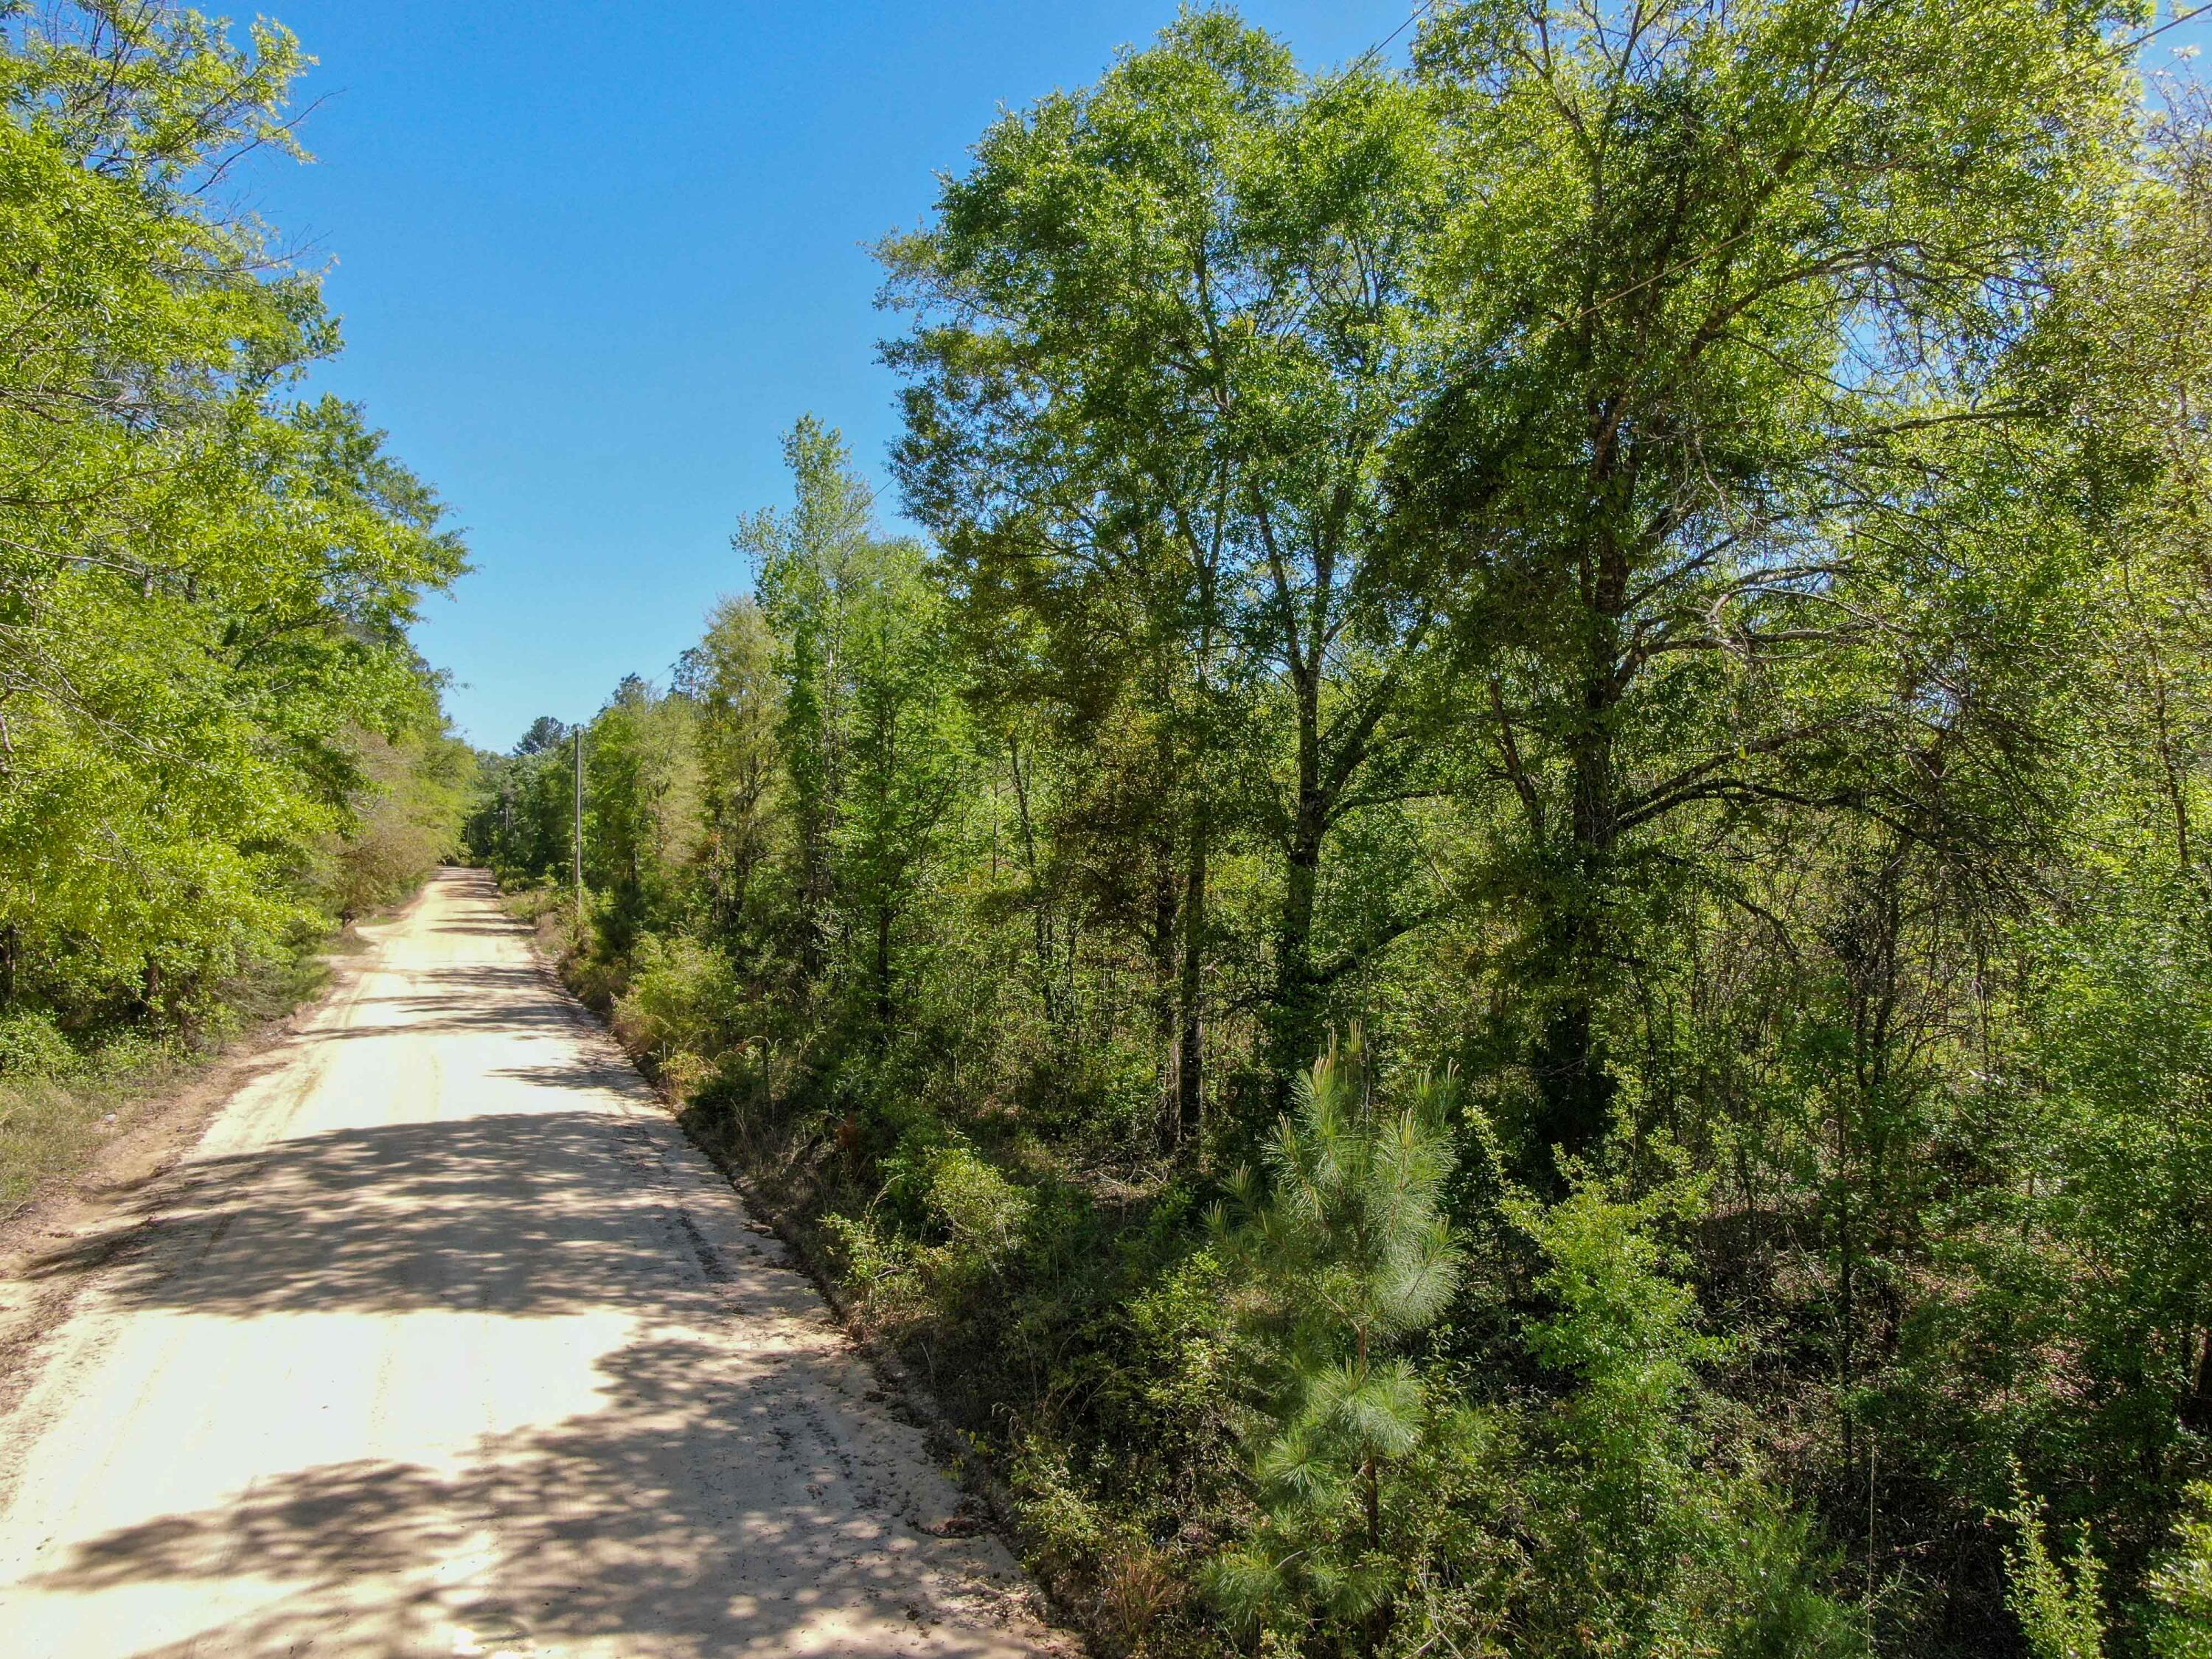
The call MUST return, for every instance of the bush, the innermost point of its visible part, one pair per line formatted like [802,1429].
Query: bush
[32,1045]
[57,1105]
[1649,1543]
[2060,1610]
[964,1217]
[681,999]
[2182,1586]
[984,1212]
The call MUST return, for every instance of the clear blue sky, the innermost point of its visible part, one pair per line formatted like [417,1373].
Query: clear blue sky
[593,259]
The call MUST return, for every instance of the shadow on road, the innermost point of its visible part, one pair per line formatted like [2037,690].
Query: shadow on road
[513,1213]
[702,1504]
[603,1529]
[482,998]
[709,1480]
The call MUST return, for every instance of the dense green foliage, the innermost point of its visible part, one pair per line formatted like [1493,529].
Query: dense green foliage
[1348,1254]
[214,733]
[1652,564]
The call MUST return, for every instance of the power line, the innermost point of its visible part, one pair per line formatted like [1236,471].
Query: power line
[1380,46]
[2172,22]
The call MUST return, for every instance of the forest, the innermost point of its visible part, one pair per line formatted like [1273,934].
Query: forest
[1487,923]
[215,739]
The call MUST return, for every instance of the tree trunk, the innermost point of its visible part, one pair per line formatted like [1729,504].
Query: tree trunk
[884,975]
[1040,926]
[813,892]
[1575,1087]
[2197,1406]
[1190,1040]
[1294,1037]
[1166,909]
[1296,1018]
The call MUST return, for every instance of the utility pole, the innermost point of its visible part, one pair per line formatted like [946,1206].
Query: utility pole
[576,841]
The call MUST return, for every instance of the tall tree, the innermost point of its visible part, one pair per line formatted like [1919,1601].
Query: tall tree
[870,720]
[1167,332]
[205,584]
[1724,281]
[639,787]
[809,566]
[731,675]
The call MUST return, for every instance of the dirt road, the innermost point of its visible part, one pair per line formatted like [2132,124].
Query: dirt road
[445,1341]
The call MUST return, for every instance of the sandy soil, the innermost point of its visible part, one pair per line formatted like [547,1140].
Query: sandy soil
[444,1341]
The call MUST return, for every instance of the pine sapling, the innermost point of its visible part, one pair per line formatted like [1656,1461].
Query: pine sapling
[1347,1256]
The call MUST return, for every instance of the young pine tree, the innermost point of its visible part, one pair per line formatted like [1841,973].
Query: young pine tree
[1348,1255]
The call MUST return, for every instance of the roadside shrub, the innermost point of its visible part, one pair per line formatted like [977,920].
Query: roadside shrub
[1130,1583]
[684,1074]
[878,1267]
[984,1212]
[961,1214]
[32,1045]
[2182,1586]
[57,1105]
[2058,1605]
[679,999]
[1646,1542]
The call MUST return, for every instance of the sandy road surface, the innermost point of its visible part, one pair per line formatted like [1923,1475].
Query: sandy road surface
[445,1341]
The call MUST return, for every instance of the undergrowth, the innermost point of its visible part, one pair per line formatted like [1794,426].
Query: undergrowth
[66,1095]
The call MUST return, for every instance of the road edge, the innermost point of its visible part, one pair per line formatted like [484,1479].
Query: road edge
[127,1185]
[905,1394]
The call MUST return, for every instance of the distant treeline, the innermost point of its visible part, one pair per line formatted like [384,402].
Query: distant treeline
[215,736]
[1505,946]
